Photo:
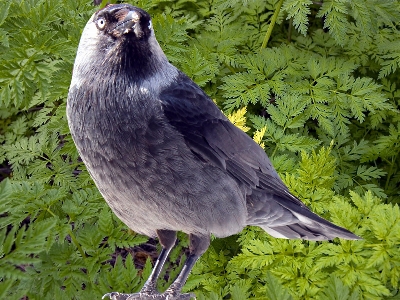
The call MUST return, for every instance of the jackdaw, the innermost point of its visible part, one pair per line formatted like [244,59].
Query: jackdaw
[163,155]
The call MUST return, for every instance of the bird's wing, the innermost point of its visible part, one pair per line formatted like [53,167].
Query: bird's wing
[214,139]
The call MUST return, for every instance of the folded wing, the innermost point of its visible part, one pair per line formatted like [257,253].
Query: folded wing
[215,140]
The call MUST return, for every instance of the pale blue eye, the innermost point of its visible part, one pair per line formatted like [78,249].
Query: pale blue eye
[101,23]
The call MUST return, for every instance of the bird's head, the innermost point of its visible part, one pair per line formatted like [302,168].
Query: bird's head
[122,22]
[118,38]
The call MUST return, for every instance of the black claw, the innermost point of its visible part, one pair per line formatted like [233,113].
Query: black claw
[109,295]
[174,296]
[117,296]
[143,296]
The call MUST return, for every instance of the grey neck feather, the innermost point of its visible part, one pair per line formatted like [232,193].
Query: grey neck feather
[88,64]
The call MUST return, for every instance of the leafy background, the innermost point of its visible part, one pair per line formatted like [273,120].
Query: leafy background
[321,98]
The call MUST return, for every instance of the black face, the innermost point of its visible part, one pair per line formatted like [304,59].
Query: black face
[123,21]
[124,34]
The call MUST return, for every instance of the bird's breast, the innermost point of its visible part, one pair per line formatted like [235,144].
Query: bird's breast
[114,126]
[141,164]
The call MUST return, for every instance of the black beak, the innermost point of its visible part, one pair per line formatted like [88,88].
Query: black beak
[127,24]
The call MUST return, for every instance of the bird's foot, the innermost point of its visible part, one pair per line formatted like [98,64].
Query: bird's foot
[144,296]
[173,293]
[135,296]
[174,296]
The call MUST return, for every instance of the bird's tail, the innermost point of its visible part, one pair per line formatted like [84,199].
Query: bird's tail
[287,217]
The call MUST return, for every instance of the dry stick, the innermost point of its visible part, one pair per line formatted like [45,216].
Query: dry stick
[271,25]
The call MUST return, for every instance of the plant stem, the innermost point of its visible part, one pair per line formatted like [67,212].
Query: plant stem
[290,30]
[272,24]
[71,234]
[273,153]
[394,157]
[230,68]
[75,241]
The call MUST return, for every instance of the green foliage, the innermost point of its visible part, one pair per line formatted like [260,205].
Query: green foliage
[322,99]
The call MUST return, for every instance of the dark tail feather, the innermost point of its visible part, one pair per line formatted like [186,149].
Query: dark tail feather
[284,218]
[314,232]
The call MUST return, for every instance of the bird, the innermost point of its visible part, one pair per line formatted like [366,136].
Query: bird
[164,156]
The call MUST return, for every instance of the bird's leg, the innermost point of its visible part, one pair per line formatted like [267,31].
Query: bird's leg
[198,245]
[149,291]
[167,240]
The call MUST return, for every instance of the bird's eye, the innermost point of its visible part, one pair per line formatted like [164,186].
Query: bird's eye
[101,23]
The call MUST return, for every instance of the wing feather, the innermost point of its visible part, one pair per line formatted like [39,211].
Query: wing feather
[215,140]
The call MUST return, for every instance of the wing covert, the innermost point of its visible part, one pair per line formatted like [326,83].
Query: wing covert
[214,139]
